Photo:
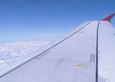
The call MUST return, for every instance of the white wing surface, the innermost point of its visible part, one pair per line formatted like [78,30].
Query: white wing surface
[78,57]
[107,51]
[70,59]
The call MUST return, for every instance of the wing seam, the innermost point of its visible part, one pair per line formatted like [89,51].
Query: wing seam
[97,37]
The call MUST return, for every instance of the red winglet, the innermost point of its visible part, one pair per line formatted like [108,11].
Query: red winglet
[108,18]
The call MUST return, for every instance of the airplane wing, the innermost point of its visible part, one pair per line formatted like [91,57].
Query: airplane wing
[73,58]
[70,59]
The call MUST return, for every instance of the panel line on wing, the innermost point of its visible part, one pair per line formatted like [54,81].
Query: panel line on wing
[96,78]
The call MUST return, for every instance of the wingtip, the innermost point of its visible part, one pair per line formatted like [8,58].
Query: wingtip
[108,18]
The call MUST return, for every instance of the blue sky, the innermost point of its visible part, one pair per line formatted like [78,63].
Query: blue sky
[48,19]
